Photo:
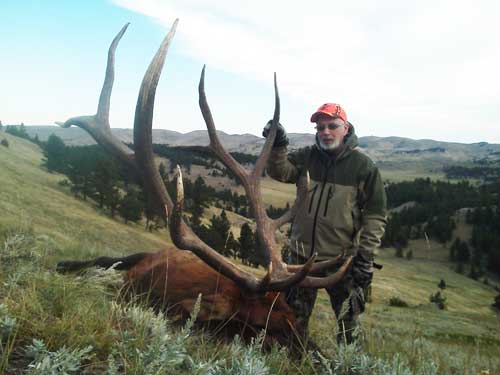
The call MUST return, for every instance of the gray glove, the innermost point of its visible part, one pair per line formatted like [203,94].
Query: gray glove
[281,137]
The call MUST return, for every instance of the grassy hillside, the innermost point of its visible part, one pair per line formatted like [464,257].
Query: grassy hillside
[31,198]
[74,312]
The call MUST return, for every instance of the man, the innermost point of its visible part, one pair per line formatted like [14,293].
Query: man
[345,209]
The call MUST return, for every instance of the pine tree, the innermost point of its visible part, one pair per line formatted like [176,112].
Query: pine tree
[454,249]
[55,154]
[217,233]
[131,205]
[496,304]
[246,242]
[105,178]
[463,254]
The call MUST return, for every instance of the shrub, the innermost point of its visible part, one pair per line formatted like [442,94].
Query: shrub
[397,302]
[399,252]
[442,284]
[5,142]
[62,361]
[438,300]
[409,255]
[8,332]
[496,304]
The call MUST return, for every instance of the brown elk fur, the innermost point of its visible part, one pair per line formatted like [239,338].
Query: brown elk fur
[172,279]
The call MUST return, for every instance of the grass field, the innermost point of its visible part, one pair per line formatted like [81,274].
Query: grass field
[41,222]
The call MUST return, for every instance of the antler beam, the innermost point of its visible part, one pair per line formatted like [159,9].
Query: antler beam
[279,276]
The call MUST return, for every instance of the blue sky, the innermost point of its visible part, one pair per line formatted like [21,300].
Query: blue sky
[426,70]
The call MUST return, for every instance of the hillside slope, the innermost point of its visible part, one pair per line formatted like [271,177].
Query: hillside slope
[31,198]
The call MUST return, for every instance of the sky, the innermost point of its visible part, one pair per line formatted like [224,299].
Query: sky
[422,70]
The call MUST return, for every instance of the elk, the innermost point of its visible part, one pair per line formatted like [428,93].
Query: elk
[175,276]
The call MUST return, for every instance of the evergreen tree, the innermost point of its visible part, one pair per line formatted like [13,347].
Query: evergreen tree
[79,169]
[112,200]
[246,243]
[131,205]
[454,249]
[258,257]
[216,235]
[18,131]
[463,254]
[55,154]
[105,178]
[496,303]
[442,284]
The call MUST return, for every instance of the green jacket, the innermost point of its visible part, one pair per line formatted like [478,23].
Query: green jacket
[346,203]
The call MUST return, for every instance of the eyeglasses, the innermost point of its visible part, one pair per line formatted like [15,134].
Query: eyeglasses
[331,126]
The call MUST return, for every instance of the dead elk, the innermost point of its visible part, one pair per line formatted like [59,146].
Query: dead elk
[175,277]
[172,279]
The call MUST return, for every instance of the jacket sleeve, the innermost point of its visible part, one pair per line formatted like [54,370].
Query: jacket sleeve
[282,166]
[374,214]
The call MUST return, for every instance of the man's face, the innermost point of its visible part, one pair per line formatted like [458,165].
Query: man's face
[331,132]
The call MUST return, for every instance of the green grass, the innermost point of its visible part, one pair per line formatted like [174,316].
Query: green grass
[31,198]
[41,223]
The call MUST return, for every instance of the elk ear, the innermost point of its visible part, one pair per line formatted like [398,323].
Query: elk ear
[213,307]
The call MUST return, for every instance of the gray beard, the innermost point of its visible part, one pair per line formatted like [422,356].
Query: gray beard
[331,147]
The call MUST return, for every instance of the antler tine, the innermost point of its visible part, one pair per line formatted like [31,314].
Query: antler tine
[318,266]
[215,143]
[184,238]
[281,284]
[143,121]
[266,150]
[98,125]
[329,281]
[105,98]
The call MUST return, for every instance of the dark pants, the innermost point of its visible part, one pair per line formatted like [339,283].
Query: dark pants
[344,299]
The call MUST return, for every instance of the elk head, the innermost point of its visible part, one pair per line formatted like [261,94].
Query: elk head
[175,276]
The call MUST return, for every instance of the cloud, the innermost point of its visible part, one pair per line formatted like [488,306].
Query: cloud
[399,68]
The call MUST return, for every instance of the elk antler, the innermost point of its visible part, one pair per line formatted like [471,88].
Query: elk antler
[279,276]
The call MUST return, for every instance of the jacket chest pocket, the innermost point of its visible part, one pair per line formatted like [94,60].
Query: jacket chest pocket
[337,206]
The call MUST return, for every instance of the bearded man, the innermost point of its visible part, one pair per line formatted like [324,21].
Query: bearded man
[345,210]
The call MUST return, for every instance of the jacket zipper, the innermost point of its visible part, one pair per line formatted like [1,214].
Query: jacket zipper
[325,177]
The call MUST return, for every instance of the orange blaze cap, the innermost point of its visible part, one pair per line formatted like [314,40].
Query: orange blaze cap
[329,109]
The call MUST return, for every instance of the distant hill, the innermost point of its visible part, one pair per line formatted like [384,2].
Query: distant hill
[379,148]
[398,158]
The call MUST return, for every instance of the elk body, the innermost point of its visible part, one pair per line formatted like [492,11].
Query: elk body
[172,279]
[175,277]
